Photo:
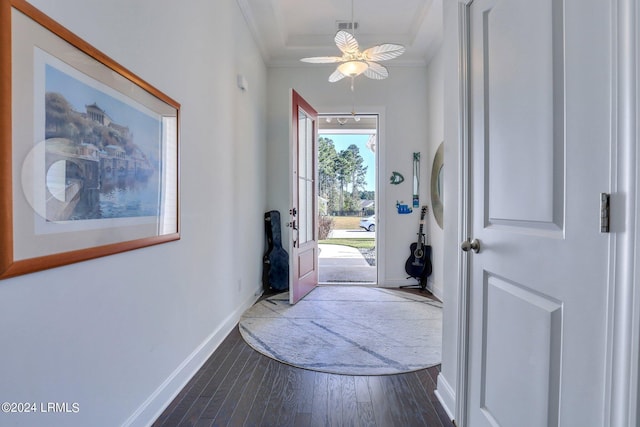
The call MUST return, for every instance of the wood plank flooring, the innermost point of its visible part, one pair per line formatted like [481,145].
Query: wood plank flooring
[238,386]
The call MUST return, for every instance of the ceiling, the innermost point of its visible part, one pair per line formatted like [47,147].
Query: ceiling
[287,30]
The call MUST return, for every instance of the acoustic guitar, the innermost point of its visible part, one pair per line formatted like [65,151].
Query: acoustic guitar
[418,264]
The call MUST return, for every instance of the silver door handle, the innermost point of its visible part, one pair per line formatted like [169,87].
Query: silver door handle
[469,244]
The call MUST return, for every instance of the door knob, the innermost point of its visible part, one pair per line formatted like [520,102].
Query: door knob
[469,244]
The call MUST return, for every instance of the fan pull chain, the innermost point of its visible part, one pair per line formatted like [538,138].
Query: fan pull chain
[353,100]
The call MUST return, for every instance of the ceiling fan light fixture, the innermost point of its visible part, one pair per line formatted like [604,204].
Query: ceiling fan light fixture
[353,62]
[353,68]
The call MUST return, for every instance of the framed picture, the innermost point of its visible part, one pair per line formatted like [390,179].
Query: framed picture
[88,151]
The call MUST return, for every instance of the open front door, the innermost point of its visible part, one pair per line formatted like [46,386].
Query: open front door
[304,209]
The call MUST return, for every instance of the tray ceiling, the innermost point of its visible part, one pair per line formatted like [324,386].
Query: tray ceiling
[287,30]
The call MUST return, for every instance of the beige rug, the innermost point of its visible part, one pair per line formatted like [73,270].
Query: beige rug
[352,330]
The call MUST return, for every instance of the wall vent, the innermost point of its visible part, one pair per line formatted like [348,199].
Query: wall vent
[346,25]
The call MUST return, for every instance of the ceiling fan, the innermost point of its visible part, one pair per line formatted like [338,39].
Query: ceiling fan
[353,62]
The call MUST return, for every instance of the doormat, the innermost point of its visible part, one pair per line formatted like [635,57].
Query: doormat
[351,330]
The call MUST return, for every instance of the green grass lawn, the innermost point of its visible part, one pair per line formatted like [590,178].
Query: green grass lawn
[346,222]
[368,243]
[349,223]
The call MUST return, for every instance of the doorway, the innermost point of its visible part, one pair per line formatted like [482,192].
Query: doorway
[347,199]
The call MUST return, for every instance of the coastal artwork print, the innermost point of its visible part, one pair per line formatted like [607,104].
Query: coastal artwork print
[90,150]
[102,155]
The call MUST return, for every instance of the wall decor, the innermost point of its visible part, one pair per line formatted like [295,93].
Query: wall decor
[416,180]
[88,150]
[396,178]
[403,208]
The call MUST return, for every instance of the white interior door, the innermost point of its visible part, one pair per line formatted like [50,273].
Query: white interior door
[304,210]
[539,118]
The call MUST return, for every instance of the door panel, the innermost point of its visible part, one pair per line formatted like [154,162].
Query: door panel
[539,127]
[518,58]
[304,246]
[306,263]
[513,311]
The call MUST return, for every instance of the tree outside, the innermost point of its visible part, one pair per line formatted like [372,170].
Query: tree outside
[342,178]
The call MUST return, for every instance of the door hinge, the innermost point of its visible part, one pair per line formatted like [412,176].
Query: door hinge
[605,213]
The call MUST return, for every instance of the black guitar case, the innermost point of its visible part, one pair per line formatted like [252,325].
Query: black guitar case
[275,272]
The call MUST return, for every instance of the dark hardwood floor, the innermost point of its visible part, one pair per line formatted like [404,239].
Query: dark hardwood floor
[238,386]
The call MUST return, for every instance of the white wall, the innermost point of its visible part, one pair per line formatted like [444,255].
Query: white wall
[435,121]
[121,334]
[401,100]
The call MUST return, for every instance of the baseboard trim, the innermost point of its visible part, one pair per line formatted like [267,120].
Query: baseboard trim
[157,402]
[446,396]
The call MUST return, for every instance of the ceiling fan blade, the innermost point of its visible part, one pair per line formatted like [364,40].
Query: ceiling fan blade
[384,52]
[346,42]
[376,71]
[322,59]
[335,76]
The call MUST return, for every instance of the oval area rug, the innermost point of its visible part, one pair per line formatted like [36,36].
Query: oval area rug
[351,330]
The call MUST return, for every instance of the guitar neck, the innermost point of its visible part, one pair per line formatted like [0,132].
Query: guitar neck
[425,210]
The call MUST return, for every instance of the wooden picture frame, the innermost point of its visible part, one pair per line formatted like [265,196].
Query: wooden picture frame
[89,156]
